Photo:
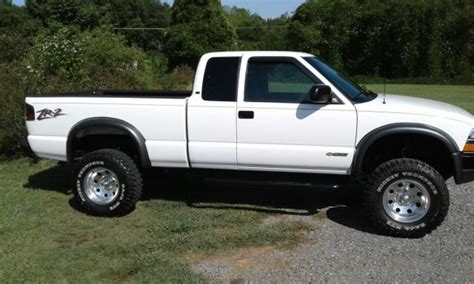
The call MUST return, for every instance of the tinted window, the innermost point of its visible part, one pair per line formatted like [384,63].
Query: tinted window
[345,85]
[220,79]
[277,80]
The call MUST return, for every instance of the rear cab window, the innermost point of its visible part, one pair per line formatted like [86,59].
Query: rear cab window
[221,79]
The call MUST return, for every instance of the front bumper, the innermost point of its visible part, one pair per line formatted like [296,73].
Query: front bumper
[25,146]
[463,167]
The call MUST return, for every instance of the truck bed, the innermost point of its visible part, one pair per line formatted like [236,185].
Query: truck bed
[160,116]
[124,94]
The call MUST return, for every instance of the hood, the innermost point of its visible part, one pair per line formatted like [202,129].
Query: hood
[416,106]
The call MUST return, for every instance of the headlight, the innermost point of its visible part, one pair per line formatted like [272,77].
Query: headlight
[469,147]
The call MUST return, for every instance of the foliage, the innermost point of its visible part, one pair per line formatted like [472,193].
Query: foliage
[90,14]
[181,78]
[390,38]
[199,26]
[256,33]
[110,63]
[16,30]
[97,59]
[146,13]
[323,28]
[159,62]
[12,126]
[452,48]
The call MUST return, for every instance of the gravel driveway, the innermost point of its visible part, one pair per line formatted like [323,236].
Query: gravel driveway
[343,248]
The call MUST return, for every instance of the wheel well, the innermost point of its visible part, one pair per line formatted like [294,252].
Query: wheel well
[93,138]
[417,146]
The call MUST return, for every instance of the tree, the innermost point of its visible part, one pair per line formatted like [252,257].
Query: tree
[249,38]
[452,49]
[16,30]
[91,14]
[275,38]
[255,32]
[198,26]
[322,27]
[141,14]
[394,39]
[50,11]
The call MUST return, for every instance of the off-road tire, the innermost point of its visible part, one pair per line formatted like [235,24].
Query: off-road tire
[129,181]
[400,169]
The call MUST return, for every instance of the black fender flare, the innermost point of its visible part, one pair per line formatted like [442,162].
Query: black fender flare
[131,130]
[399,128]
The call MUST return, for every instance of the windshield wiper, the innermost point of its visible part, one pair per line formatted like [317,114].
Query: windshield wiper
[364,92]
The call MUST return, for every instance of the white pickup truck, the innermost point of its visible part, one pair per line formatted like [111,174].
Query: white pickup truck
[274,114]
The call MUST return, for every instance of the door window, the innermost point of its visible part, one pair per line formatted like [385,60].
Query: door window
[278,80]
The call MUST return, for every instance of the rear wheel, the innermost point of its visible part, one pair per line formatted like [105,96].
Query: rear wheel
[107,183]
[406,198]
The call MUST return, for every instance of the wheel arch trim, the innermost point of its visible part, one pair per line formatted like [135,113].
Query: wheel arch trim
[399,128]
[128,128]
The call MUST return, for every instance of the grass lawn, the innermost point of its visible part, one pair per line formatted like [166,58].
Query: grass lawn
[462,96]
[44,239]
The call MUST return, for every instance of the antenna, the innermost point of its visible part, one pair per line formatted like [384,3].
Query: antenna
[384,88]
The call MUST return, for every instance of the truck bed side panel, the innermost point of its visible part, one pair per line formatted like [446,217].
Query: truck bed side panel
[160,121]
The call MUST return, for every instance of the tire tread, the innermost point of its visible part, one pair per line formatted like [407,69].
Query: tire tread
[134,180]
[400,165]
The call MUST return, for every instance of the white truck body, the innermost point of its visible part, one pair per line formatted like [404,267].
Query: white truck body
[287,137]
[285,113]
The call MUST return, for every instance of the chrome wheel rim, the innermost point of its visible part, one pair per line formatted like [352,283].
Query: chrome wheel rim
[101,186]
[406,200]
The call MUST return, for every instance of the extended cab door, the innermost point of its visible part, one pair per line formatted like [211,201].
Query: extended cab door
[211,117]
[278,128]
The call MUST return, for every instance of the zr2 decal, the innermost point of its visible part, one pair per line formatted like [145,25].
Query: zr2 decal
[47,113]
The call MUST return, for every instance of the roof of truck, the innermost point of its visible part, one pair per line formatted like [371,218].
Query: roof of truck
[258,53]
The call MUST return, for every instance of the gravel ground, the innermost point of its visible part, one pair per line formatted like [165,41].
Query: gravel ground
[344,248]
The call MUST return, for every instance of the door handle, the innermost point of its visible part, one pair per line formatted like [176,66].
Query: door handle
[246,114]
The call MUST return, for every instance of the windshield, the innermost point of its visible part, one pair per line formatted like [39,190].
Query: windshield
[349,88]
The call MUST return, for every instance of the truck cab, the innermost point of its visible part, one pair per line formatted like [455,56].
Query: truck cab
[255,111]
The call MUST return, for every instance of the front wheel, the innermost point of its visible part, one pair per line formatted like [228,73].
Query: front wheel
[107,183]
[406,198]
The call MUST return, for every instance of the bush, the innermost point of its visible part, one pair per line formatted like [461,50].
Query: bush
[181,78]
[97,59]
[12,124]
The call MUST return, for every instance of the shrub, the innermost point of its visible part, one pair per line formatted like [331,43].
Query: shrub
[12,125]
[97,59]
[181,78]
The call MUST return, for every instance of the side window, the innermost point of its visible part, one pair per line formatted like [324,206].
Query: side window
[277,80]
[220,79]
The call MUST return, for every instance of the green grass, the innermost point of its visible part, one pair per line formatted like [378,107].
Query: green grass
[43,239]
[462,96]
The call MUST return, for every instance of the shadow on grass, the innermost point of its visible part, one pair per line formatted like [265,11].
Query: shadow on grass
[57,178]
[343,206]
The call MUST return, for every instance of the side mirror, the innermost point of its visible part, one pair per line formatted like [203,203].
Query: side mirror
[321,94]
